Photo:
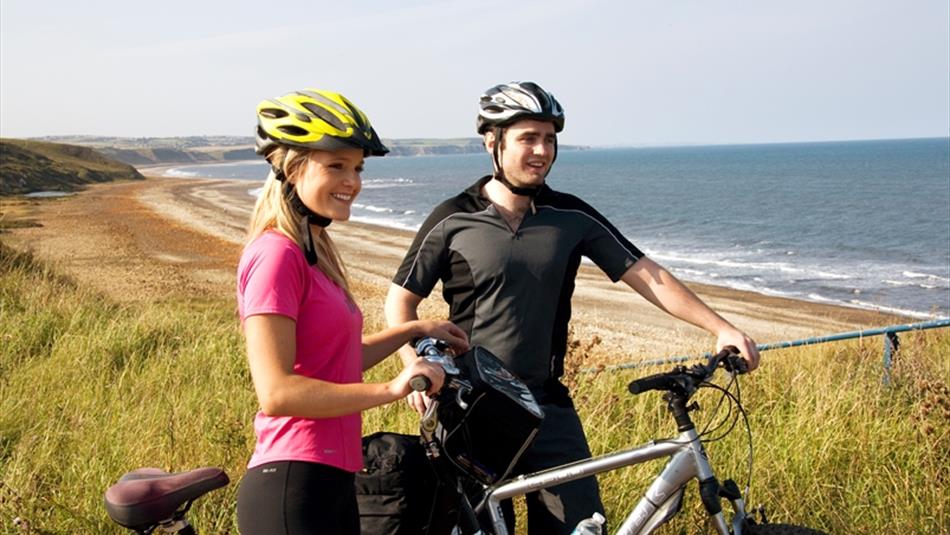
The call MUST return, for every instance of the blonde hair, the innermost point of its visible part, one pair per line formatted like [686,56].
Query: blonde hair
[273,211]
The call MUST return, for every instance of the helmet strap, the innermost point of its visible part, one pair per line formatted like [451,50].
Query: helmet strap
[309,251]
[309,216]
[499,175]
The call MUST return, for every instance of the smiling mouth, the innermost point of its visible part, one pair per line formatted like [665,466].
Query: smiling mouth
[342,197]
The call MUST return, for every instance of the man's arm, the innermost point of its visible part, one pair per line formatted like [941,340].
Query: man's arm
[660,287]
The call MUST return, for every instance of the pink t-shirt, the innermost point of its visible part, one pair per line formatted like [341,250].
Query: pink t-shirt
[274,278]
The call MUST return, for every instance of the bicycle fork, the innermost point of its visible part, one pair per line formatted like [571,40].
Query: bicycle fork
[663,499]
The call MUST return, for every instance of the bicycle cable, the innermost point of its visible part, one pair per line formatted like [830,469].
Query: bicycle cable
[737,400]
[706,430]
[732,421]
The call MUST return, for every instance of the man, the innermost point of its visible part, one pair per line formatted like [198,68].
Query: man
[507,251]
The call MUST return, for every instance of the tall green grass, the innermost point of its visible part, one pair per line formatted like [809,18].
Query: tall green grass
[90,389]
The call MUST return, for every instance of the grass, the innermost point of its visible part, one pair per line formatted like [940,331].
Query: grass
[90,389]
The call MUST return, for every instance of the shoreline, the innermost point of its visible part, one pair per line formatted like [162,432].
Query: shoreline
[382,226]
[175,238]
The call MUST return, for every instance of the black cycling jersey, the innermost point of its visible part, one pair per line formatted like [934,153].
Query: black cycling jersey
[511,290]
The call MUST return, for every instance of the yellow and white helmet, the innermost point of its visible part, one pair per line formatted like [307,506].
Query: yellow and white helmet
[315,119]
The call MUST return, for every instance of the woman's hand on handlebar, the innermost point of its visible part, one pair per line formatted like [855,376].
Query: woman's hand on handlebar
[443,330]
[400,386]
[742,342]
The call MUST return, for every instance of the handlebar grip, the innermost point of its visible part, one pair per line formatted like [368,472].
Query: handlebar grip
[420,383]
[653,382]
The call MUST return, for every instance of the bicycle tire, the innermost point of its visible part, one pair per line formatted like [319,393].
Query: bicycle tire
[780,529]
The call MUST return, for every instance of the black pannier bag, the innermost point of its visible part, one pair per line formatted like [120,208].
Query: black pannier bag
[501,419]
[396,487]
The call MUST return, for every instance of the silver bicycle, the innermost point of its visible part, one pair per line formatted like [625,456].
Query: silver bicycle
[475,469]
[440,427]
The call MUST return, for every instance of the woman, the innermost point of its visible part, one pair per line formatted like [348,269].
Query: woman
[302,327]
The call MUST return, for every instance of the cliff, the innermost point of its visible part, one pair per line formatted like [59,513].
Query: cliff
[209,149]
[28,165]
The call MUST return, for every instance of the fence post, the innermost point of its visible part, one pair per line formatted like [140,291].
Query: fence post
[891,344]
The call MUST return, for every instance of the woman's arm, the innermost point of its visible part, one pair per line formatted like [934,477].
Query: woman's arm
[271,351]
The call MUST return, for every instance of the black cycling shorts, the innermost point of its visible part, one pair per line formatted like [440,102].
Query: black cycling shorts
[297,498]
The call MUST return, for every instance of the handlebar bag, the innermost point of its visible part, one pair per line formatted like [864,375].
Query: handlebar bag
[487,438]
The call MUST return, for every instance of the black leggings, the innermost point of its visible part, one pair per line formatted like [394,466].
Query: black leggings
[297,498]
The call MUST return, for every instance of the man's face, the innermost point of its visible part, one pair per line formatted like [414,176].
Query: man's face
[528,152]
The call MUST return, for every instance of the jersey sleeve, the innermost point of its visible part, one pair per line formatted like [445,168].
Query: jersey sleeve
[271,280]
[427,259]
[607,246]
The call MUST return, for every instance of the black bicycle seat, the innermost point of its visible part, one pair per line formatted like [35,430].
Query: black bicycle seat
[148,496]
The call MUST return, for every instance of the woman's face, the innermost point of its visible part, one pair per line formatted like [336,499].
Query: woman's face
[329,181]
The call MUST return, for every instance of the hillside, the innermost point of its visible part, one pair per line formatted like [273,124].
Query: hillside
[209,149]
[27,166]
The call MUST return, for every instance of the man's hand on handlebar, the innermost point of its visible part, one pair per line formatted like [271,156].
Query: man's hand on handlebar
[441,330]
[746,346]
[446,331]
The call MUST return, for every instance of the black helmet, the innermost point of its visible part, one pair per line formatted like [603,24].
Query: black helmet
[506,103]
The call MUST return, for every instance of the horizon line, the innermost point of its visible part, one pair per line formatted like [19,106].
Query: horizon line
[671,144]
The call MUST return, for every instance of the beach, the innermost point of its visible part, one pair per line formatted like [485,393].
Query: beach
[178,239]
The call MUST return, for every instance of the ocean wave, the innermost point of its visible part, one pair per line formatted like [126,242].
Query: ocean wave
[255,192]
[915,275]
[759,289]
[385,222]
[913,284]
[895,310]
[780,267]
[178,173]
[242,170]
[376,209]
[689,272]
[380,183]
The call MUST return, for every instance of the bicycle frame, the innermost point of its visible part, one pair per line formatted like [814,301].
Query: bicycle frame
[688,459]
[658,505]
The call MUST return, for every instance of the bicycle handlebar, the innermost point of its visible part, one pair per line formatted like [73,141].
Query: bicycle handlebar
[687,380]
[435,351]
[420,383]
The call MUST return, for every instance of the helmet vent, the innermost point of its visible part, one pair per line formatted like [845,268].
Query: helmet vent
[302,117]
[274,113]
[325,115]
[292,130]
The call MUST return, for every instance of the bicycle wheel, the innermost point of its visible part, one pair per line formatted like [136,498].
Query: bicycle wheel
[780,529]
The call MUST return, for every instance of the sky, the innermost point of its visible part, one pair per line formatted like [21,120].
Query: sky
[628,72]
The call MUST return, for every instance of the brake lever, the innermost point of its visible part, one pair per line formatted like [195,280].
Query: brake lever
[463,388]
[735,364]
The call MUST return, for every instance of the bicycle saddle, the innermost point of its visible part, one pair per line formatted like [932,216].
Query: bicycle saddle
[149,496]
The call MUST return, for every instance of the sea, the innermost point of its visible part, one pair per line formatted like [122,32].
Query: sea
[856,223]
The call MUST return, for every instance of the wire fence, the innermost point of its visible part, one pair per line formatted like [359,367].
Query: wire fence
[891,345]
